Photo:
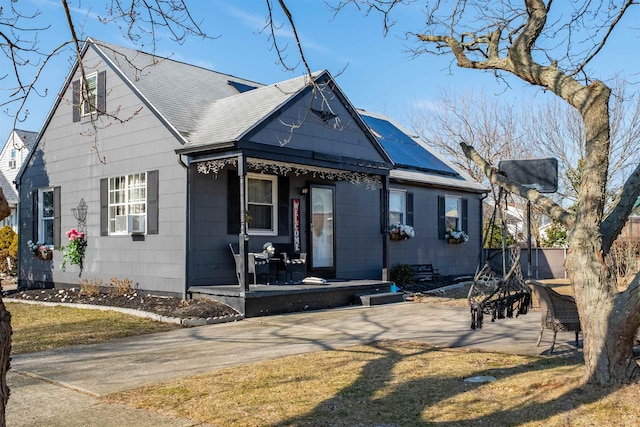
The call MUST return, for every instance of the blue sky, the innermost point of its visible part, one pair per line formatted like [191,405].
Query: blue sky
[376,73]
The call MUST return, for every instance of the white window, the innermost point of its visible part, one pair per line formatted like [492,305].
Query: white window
[397,207]
[89,104]
[128,204]
[262,204]
[13,161]
[452,214]
[45,216]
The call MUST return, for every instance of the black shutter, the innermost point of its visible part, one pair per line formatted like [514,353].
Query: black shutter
[283,206]
[75,100]
[233,206]
[465,216]
[35,216]
[409,206]
[441,221]
[101,91]
[152,202]
[57,223]
[104,207]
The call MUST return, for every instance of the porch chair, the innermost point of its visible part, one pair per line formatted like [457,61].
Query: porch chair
[293,266]
[252,262]
[559,312]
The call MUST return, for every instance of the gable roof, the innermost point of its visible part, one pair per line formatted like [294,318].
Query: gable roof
[180,92]
[413,159]
[8,190]
[230,118]
[27,137]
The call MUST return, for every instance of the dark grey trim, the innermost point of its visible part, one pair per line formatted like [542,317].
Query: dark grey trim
[104,207]
[101,92]
[57,223]
[441,220]
[75,103]
[152,202]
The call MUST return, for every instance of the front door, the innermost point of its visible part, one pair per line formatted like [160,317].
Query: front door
[322,230]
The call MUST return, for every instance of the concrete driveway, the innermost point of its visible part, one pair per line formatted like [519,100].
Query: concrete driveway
[60,387]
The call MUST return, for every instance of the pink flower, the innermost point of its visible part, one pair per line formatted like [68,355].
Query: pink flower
[73,234]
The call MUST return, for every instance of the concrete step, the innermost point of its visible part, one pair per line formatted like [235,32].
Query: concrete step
[382,298]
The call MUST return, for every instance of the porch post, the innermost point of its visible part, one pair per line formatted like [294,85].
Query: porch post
[384,211]
[243,237]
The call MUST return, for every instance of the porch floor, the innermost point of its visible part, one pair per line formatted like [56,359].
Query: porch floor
[264,300]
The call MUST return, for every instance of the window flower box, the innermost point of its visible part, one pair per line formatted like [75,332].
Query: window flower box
[456,237]
[401,232]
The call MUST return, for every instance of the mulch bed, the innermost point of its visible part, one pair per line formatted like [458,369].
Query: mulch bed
[164,306]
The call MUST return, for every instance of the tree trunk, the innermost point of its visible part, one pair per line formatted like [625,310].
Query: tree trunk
[608,333]
[607,320]
[5,358]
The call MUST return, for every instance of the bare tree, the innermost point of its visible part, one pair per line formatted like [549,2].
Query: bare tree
[554,52]
[559,132]
[491,125]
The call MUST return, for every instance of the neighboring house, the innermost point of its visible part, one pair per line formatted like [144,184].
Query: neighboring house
[197,160]
[13,153]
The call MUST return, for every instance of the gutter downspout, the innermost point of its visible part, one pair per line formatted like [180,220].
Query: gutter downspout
[187,236]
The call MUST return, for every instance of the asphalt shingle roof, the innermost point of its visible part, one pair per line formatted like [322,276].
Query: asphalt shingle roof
[180,92]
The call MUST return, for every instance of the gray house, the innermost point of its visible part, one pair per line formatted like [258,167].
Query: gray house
[178,166]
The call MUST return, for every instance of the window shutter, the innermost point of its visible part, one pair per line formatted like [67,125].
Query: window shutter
[283,206]
[36,216]
[152,202]
[104,207]
[465,216]
[101,92]
[233,206]
[441,221]
[409,207]
[75,100]
[57,223]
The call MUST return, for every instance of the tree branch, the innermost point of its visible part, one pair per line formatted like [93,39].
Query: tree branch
[616,220]
[548,206]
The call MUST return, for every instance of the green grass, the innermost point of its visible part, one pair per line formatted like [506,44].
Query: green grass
[387,383]
[392,384]
[38,327]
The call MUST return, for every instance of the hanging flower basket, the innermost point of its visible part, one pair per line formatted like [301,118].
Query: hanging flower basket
[401,232]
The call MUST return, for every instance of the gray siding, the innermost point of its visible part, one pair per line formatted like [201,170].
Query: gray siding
[426,247]
[358,238]
[67,157]
[345,138]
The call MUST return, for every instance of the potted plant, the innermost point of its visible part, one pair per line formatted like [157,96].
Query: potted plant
[40,250]
[268,249]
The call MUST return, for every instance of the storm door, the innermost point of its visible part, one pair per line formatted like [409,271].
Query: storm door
[322,230]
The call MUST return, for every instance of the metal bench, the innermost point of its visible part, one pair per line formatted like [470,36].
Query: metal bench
[425,273]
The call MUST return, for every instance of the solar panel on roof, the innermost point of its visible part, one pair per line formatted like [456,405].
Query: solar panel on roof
[241,87]
[403,150]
